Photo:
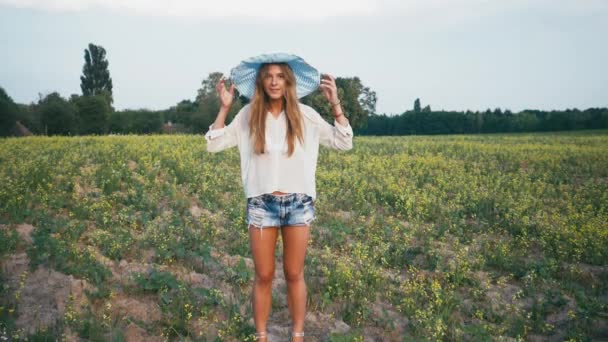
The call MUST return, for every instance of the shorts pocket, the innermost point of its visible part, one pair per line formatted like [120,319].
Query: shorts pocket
[304,199]
[255,215]
[257,201]
[309,214]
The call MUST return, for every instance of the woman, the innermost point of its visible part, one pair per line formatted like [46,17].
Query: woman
[278,138]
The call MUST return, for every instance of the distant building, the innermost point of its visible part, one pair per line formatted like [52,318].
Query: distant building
[20,130]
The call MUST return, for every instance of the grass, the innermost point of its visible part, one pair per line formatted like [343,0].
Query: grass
[463,237]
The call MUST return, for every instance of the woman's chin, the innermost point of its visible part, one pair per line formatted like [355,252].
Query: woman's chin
[275,96]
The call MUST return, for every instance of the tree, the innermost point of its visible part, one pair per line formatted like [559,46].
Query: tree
[57,115]
[96,76]
[141,121]
[93,113]
[417,106]
[181,113]
[29,117]
[358,102]
[368,100]
[209,103]
[8,114]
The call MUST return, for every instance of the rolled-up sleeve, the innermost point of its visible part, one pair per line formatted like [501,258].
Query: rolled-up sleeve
[222,138]
[338,136]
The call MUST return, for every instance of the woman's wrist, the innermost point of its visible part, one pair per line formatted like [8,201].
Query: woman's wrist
[337,109]
[341,119]
[224,109]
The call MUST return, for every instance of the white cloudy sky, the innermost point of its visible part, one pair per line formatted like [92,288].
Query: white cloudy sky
[452,54]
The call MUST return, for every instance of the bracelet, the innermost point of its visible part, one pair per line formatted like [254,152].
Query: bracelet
[335,104]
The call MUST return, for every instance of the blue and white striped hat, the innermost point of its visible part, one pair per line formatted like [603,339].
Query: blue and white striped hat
[243,75]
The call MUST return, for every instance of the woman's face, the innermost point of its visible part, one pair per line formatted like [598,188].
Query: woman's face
[274,82]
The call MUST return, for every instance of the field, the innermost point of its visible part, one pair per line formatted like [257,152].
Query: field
[462,237]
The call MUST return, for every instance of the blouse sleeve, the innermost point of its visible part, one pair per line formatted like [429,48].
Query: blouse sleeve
[338,136]
[219,139]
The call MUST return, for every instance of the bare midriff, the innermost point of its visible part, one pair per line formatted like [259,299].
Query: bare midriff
[279,193]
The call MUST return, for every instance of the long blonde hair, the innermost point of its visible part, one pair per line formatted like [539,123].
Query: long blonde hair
[259,110]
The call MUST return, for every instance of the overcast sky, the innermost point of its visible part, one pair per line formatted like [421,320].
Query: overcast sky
[452,54]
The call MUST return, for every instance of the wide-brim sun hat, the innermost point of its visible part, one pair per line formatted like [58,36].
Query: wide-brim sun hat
[243,75]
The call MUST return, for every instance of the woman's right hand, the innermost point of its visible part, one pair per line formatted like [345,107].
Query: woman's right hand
[226,96]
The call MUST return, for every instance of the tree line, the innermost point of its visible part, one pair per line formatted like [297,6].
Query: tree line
[427,121]
[92,112]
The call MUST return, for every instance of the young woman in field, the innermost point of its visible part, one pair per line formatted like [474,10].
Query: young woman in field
[278,139]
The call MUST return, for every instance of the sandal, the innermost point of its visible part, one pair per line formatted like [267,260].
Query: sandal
[260,335]
[297,334]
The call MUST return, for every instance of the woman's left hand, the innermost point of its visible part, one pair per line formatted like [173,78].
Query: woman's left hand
[329,88]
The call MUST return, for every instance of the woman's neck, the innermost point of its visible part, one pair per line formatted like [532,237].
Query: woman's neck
[275,106]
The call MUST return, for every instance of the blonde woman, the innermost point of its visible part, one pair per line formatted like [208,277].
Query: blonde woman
[278,140]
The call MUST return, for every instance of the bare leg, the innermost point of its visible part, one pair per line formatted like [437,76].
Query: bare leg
[295,241]
[262,249]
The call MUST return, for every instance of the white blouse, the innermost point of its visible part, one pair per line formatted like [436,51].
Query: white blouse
[274,170]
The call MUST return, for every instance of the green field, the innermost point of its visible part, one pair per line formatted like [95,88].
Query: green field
[461,237]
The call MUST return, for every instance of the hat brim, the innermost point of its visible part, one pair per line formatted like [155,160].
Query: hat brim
[243,75]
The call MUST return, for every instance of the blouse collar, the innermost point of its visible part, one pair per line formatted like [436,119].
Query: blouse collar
[270,116]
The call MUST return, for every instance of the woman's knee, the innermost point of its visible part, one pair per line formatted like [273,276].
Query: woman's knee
[293,275]
[264,277]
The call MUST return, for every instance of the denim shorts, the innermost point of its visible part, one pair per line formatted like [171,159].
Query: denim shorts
[268,210]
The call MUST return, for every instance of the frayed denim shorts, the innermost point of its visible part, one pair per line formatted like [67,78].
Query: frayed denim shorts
[269,210]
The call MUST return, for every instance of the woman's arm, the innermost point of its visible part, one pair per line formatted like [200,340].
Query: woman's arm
[340,136]
[220,137]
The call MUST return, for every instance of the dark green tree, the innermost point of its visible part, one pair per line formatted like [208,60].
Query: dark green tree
[140,121]
[358,101]
[57,115]
[417,106]
[93,113]
[29,117]
[182,112]
[8,114]
[95,77]
[209,104]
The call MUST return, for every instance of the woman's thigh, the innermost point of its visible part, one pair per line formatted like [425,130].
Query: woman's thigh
[263,249]
[295,242]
